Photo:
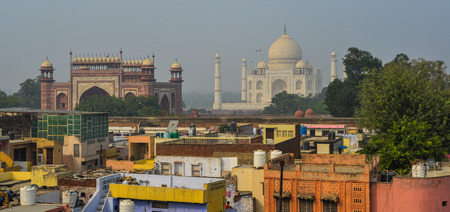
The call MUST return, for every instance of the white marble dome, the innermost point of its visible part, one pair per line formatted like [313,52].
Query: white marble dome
[262,65]
[285,50]
[300,64]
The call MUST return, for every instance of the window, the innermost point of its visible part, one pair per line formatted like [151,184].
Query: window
[278,133]
[329,206]
[100,140]
[285,206]
[178,170]
[290,133]
[76,150]
[284,133]
[306,205]
[357,188]
[341,131]
[357,200]
[162,205]
[325,132]
[196,171]
[165,168]
[96,162]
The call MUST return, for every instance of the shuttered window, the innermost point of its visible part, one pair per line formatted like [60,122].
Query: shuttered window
[285,204]
[196,170]
[76,150]
[329,206]
[306,205]
[165,168]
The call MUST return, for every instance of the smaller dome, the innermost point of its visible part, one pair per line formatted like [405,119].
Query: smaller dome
[91,59]
[308,65]
[83,59]
[262,65]
[217,55]
[116,59]
[75,59]
[309,112]
[125,62]
[147,62]
[244,60]
[104,59]
[333,53]
[108,59]
[140,61]
[96,59]
[46,64]
[299,113]
[175,65]
[300,64]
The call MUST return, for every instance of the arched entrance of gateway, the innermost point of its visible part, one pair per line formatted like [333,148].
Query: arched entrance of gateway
[165,104]
[128,95]
[278,86]
[94,91]
[61,101]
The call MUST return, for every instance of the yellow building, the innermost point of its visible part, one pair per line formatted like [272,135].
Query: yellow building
[174,192]
[276,133]
[47,175]
[252,180]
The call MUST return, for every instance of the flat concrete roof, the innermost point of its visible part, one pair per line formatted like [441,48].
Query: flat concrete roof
[31,110]
[37,207]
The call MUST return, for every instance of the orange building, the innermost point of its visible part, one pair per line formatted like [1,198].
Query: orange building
[320,183]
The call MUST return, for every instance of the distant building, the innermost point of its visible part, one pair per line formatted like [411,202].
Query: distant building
[111,76]
[285,71]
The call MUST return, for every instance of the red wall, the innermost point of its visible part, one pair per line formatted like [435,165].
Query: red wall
[411,194]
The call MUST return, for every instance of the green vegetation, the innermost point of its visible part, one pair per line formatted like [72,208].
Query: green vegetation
[8,101]
[132,106]
[284,103]
[407,105]
[30,93]
[341,97]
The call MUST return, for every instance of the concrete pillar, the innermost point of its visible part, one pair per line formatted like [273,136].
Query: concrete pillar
[333,75]
[244,80]
[217,87]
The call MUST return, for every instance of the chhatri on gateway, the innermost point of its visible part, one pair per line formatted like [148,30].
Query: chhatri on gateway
[285,71]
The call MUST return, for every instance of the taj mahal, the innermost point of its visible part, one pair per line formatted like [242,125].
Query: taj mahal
[285,71]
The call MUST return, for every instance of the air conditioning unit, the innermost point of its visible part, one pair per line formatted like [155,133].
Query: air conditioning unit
[2,164]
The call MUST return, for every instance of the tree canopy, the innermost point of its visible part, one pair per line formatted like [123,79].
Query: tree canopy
[284,103]
[8,101]
[131,106]
[341,98]
[407,105]
[30,93]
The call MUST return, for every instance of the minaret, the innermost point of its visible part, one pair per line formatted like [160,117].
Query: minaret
[333,66]
[344,74]
[217,88]
[244,80]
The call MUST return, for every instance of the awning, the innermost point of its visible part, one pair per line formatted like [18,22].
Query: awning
[305,196]
[285,195]
[330,197]
[342,147]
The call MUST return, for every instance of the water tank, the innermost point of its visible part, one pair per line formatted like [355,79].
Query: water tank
[28,195]
[233,127]
[175,134]
[259,159]
[126,205]
[386,176]
[167,134]
[419,170]
[192,130]
[275,153]
[331,136]
[303,130]
[70,198]
[305,145]
[12,136]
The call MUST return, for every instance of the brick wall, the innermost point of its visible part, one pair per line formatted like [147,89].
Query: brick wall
[120,164]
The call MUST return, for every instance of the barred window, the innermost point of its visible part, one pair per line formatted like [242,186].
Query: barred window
[306,205]
[76,150]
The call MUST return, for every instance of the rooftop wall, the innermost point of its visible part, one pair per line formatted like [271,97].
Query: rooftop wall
[411,194]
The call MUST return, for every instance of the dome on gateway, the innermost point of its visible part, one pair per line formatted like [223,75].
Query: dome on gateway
[285,50]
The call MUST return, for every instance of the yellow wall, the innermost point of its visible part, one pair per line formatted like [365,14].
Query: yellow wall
[347,144]
[144,164]
[213,195]
[251,179]
[281,132]
[21,176]
[323,148]
[47,175]
[57,149]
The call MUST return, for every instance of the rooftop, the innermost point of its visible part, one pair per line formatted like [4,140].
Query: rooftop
[31,110]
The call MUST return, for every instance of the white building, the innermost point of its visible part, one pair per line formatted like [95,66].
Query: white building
[285,71]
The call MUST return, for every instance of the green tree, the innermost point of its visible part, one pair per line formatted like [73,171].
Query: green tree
[30,93]
[132,106]
[8,101]
[284,103]
[341,98]
[416,91]
[407,105]
[405,141]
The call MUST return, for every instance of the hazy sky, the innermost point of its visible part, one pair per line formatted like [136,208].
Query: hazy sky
[193,31]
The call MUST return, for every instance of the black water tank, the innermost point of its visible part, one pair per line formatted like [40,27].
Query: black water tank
[12,135]
[331,136]
[386,176]
[233,127]
[305,145]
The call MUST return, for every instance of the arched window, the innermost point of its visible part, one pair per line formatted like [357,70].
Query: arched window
[278,86]
[298,85]
[259,85]
[94,91]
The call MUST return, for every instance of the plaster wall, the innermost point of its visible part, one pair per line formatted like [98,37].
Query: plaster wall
[210,166]
[411,194]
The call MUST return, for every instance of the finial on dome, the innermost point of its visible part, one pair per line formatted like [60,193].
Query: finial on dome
[284,28]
